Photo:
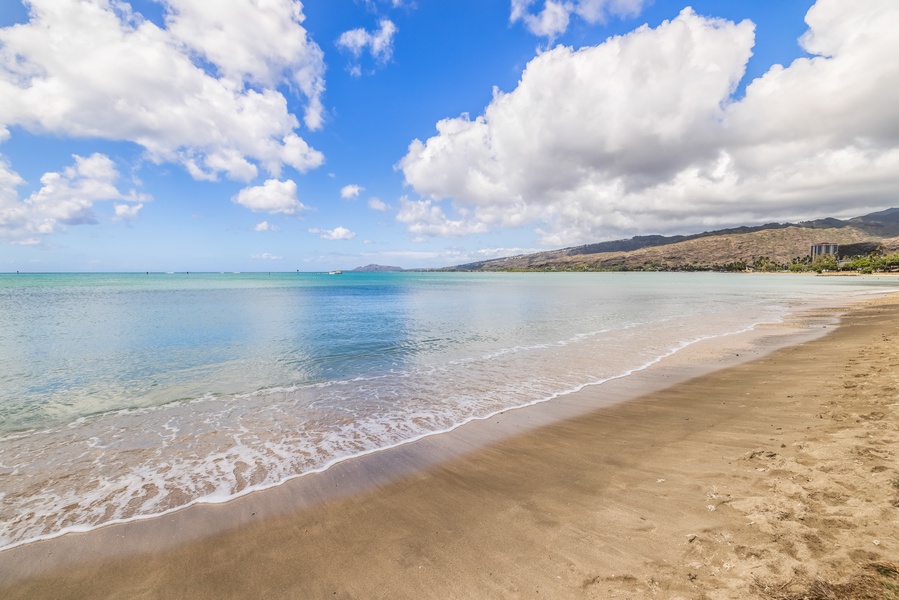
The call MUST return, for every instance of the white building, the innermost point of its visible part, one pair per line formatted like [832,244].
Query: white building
[823,248]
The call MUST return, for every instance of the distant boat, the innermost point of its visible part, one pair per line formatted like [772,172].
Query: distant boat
[337,272]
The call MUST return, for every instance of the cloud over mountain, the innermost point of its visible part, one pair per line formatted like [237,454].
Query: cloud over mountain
[643,133]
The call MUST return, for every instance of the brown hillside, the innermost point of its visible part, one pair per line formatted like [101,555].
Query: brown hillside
[779,245]
[890,245]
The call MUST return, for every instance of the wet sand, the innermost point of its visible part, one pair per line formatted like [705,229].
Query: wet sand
[773,471]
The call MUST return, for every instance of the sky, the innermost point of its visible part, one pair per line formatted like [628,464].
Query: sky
[279,135]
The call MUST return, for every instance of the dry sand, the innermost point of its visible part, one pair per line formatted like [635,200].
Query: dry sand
[756,481]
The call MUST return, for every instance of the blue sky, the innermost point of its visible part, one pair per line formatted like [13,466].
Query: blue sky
[274,135]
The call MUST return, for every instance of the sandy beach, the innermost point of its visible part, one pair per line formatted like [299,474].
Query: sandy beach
[764,480]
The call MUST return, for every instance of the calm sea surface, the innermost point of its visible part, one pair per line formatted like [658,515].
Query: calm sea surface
[130,395]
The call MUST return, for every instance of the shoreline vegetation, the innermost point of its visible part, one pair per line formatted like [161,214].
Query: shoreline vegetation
[875,263]
[774,478]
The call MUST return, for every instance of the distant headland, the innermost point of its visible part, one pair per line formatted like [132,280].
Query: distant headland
[377,269]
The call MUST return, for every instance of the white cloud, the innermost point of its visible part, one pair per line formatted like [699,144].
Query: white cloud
[134,81]
[127,212]
[426,218]
[338,233]
[441,257]
[9,181]
[275,197]
[14,221]
[350,192]
[553,19]
[372,5]
[64,199]
[378,204]
[266,226]
[261,42]
[265,256]
[549,22]
[488,253]
[642,134]
[379,43]
[448,256]
[298,154]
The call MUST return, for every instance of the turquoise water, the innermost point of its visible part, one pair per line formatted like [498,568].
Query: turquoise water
[129,395]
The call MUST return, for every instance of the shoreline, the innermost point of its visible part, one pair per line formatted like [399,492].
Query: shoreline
[184,435]
[355,483]
[689,359]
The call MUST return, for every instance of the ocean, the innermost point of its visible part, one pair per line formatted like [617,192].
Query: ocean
[124,396]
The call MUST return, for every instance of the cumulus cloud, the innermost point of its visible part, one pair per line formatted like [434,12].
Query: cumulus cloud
[426,218]
[275,197]
[127,212]
[338,233]
[265,226]
[66,198]
[379,43]
[265,256]
[553,19]
[549,22]
[350,192]
[643,134]
[258,42]
[378,204]
[201,91]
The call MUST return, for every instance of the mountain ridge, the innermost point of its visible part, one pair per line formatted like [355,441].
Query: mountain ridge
[778,243]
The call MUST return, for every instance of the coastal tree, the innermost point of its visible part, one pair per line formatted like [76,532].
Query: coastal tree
[825,262]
